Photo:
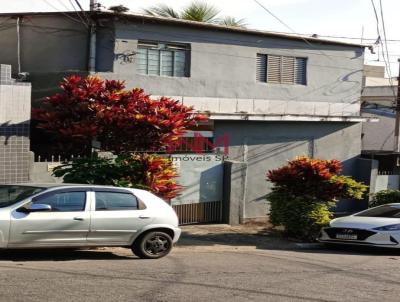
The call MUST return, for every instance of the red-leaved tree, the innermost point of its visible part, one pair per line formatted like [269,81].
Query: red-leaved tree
[160,175]
[121,120]
[304,191]
[311,177]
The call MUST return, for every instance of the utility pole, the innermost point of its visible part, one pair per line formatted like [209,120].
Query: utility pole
[92,55]
[93,5]
[92,43]
[397,123]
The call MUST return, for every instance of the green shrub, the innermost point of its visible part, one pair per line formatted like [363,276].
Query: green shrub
[385,197]
[304,192]
[301,217]
[101,171]
[144,171]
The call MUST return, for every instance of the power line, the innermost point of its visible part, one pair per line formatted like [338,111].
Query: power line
[83,11]
[273,15]
[396,97]
[54,30]
[235,41]
[287,26]
[68,16]
[376,17]
[78,14]
[387,65]
[384,36]
[79,5]
[191,36]
[62,3]
[218,53]
[330,36]
[379,40]
[51,30]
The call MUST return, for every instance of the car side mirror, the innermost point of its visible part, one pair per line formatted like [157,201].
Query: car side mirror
[36,207]
[40,207]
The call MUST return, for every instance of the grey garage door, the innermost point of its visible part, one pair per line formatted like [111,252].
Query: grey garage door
[263,155]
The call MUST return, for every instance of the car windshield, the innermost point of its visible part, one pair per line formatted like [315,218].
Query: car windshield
[387,211]
[11,194]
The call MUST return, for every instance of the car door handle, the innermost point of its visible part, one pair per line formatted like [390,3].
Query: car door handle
[79,218]
[144,217]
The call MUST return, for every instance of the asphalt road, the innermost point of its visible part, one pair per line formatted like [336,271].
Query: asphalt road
[201,272]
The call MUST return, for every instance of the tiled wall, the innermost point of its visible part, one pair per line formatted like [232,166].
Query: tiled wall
[15,107]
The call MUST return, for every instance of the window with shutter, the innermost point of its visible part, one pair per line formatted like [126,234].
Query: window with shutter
[179,63]
[287,70]
[300,71]
[166,63]
[281,69]
[274,69]
[162,59]
[261,75]
[141,61]
[153,62]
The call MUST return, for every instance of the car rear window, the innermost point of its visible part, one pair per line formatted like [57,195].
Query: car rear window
[386,211]
[115,201]
[11,194]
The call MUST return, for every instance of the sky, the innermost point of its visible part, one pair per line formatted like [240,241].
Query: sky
[345,18]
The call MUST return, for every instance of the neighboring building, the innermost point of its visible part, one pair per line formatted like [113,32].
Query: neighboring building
[15,113]
[378,101]
[374,75]
[276,96]
[378,90]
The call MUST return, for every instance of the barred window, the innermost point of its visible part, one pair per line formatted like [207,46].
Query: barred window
[162,59]
[281,69]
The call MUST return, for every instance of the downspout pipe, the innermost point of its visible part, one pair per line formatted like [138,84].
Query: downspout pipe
[92,39]
[92,48]
[18,45]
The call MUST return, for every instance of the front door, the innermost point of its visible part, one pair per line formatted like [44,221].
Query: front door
[66,224]
[116,217]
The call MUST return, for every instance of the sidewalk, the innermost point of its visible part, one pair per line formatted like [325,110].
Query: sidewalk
[248,236]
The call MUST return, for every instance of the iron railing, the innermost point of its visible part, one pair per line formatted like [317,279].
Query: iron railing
[203,212]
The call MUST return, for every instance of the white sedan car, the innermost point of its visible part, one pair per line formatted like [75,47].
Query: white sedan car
[379,226]
[52,216]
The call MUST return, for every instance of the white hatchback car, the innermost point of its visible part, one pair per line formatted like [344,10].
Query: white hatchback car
[63,215]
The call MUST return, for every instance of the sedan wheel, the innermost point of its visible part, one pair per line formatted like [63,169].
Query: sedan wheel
[152,245]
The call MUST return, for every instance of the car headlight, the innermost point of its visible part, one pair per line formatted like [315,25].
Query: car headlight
[391,227]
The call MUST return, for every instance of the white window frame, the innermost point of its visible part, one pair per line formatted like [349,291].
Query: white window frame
[164,46]
[263,78]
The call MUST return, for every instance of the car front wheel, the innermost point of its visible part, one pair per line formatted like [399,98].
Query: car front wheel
[152,245]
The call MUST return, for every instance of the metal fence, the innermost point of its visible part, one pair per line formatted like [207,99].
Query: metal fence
[47,158]
[185,145]
[203,212]
[384,172]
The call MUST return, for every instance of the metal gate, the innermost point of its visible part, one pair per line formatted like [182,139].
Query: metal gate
[201,175]
[204,212]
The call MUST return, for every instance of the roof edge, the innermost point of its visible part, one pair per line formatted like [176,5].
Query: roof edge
[197,24]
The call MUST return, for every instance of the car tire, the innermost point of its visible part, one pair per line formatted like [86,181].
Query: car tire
[152,245]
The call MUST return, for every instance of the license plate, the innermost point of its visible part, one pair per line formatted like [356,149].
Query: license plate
[346,236]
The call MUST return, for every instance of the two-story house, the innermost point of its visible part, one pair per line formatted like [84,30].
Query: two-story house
[276,96]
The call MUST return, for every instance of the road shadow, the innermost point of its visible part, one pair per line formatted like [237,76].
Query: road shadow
[267,239]
[21,255]
[353,250]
